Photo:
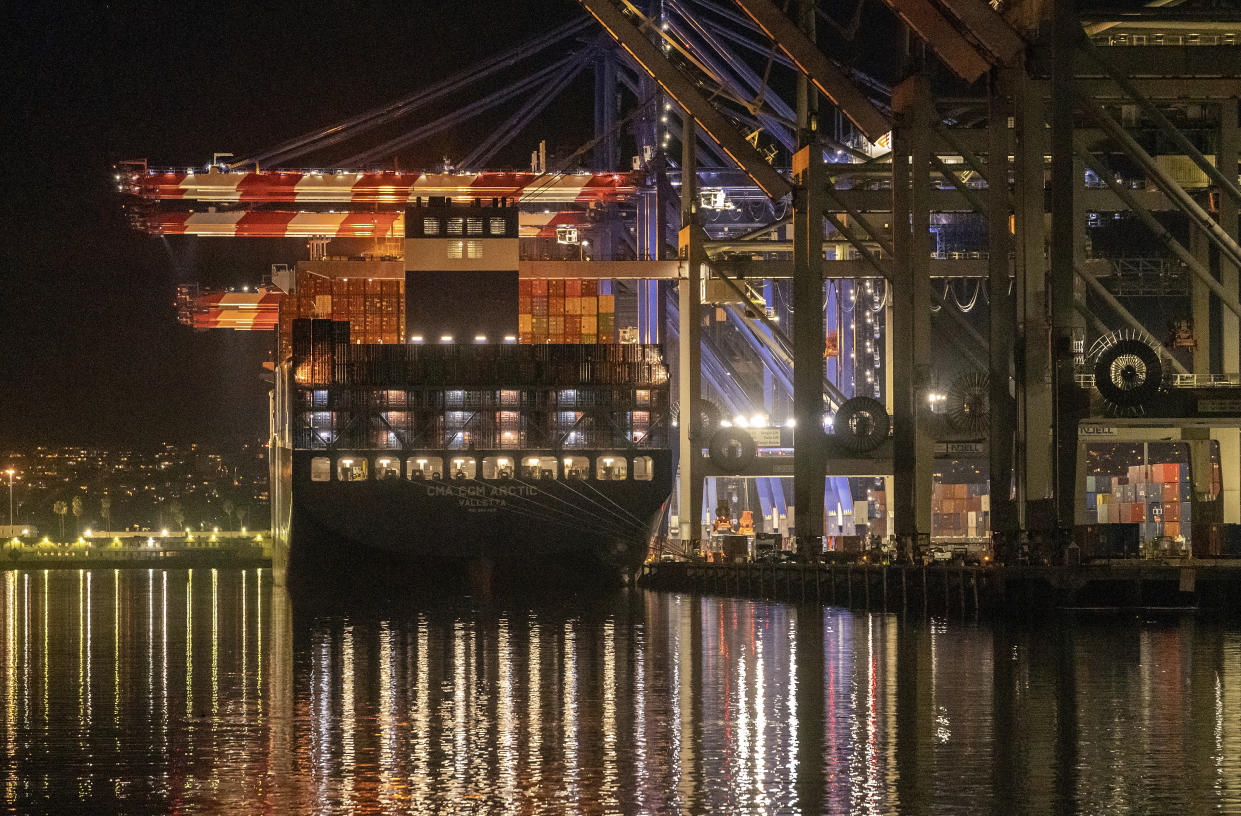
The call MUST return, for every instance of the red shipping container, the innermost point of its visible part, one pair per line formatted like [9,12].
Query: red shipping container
[555,288]
[524,304]
[572,325]
[1171,528]
[555,305]
[1137,513]
[538,286]
[1170,492]
[572,288]
[1172,511]
[590,288]
[1172,472]
[525,286]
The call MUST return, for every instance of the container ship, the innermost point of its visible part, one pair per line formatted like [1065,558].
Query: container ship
[438,417]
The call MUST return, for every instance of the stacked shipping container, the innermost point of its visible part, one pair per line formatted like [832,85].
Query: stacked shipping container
[564,311]
[373,307]
[960,511]
[1155,496]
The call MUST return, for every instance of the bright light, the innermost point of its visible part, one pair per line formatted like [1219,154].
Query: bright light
[510,338]
[422,463]
[741,422]
[417,338]
[445,338]
[480,338]
[502,462]
[163,533]
[724,423]
[758,421]
[215,529]
[346,462]
[10,472]
[607,461]
[790,423]
[88,532]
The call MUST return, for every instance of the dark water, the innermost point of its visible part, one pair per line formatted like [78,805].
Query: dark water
[165,692]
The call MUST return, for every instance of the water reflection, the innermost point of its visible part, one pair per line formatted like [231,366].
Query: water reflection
[152,691]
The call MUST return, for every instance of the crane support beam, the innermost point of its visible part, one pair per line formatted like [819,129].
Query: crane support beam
[831,81]
[989,27]
[938,33]
[715,124]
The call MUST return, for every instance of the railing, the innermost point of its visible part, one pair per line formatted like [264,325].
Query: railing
[1086,380]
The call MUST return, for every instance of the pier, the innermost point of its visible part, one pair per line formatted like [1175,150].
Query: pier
[124,550]
[960,590]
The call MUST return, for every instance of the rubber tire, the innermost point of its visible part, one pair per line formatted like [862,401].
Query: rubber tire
[733,450]
[876,434]
[1133,397]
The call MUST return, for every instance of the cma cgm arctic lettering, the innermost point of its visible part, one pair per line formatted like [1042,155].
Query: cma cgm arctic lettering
[488,437]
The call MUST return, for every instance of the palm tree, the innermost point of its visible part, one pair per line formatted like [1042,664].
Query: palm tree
[105,510]
[241,511]
[77,513]
[61,509]
[228,511]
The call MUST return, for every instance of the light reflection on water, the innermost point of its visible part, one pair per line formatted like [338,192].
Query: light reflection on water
[196,692]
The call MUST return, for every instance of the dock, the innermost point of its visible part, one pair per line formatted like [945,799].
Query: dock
[962,589]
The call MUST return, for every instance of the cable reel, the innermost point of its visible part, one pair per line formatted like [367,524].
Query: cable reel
[706,419]
[1127,371]
[862,425]
[732,450]
[968,406]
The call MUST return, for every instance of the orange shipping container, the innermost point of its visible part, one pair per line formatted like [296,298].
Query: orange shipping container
[1172,528]
[555,288]
[589,305]
[590,288]
[607,303]
[572,288]
[573,305]
[538,287]
[525,323]
[525,287]
[555,305]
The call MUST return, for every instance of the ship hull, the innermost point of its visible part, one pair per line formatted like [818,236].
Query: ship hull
[516,532]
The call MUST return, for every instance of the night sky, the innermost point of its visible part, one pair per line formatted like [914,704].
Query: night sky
[90,351]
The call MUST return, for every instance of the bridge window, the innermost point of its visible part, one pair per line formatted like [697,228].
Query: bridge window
[643,468]
[424,467]
[576,467]
[456,250]
[610,468]
[351,469]
[386,468]
[473,249]
[463,467]
[321,469]
[473,226]
[538,467]
[430,226]
[499,226]
[498,467]
[456,226]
